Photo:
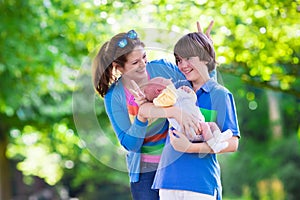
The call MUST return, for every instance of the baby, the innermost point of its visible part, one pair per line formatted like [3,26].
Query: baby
[163,93]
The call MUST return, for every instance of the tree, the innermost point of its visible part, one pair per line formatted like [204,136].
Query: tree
[37,70]
[45,42]
[254,40]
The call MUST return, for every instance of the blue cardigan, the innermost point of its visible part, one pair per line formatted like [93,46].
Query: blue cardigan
[131,136]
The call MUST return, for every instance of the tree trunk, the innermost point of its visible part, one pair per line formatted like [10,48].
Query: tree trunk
[5,183]
[274,114]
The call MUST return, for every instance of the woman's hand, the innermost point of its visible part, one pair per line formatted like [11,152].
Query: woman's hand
[207,32]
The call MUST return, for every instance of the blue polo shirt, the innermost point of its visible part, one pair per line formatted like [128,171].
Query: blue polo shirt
[193,171]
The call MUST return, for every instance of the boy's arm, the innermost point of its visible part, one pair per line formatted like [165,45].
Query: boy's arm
[181,143]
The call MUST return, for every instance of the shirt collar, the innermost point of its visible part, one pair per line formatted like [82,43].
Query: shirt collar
[207,87]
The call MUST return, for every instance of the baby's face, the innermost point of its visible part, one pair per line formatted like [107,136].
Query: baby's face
[155,86]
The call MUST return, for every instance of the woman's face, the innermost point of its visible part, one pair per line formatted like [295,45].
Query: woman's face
[193,68]
[135,67]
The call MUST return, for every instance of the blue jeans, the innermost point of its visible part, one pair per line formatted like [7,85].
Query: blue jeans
[141,190]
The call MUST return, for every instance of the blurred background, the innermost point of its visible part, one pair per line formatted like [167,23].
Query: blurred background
[50,149]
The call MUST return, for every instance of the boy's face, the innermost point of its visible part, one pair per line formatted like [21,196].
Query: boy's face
[155,86]
[192,68]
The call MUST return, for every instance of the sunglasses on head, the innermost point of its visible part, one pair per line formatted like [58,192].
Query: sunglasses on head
[123,41]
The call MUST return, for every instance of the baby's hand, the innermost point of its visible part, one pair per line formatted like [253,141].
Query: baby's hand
[186,89]
[139,96]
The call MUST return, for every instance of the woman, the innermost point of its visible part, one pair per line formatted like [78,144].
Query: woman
[143,139]
[191,170]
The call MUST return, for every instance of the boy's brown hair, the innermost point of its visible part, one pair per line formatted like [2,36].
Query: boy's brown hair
[196,44]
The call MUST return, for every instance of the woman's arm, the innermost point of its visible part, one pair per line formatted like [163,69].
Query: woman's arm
[130,135]
[186,120]
[149,110]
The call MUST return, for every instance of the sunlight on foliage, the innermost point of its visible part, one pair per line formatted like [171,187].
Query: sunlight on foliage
[42,163]
[271,189]
[42,156]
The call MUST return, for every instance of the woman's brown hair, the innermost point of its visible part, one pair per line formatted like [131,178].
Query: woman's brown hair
[111,51]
